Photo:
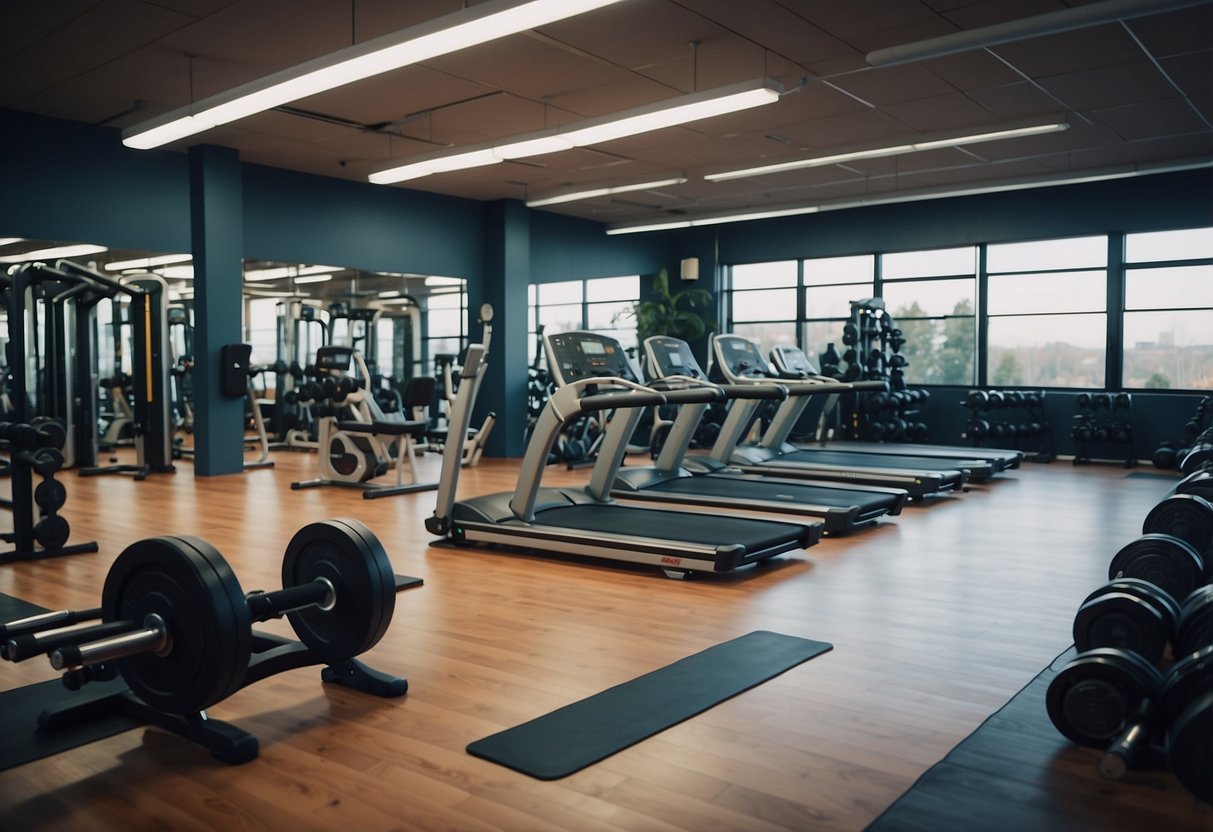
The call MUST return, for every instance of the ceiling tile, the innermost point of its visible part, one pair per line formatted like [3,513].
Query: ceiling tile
[1070,52]
[971,70]
[777,28]
[1107,87]
[990,12]
[942,112]
[1151,120]
[1014,100]
[896,84]
[1193,72]
[1175,33]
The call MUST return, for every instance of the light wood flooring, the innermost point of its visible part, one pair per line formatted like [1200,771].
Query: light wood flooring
[938,617]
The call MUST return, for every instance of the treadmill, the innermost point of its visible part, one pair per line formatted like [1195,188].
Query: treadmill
[792,363]
[739,362]
[593,373]
[701,481]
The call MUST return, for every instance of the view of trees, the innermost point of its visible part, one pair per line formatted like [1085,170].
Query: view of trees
[939,350]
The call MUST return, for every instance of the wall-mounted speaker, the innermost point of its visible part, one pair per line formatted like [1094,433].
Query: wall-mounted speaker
[690,269]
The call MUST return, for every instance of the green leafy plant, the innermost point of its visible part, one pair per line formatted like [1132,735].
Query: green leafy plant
[675,314]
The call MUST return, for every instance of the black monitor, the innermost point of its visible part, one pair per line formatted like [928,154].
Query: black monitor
[333,359]
[742,357]
[671,357]
[574,356]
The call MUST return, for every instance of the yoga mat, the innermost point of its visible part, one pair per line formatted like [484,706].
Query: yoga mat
[577,735]
[13,608]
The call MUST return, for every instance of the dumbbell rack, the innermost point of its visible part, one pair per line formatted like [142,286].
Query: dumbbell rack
[1103,429]
[34,449]
[1195,449]
[873,353]
[1010,418]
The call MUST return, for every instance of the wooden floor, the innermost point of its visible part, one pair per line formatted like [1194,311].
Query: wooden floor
[938,617]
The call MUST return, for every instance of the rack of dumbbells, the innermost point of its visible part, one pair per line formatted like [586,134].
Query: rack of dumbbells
[1141,686]
[873,353]
[1195,449]
[35,449]
[1010,418]
[1103,428]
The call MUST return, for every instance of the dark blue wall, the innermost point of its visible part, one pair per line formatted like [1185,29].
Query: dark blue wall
[567,248]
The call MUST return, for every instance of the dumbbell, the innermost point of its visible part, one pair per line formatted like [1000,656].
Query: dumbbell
[850,334]
[976,400]
[177,625]
[995,399]
[1014,398]
[1082,401]
[1199,483]
[1118,701]
[41,433]
[1101,401]
[1167,562]
[1199,455]
[978,428]
[1164,456]
[1122,401]
[1188,517]
[1137,615]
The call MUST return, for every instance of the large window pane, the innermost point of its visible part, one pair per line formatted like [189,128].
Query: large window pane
[825,270]
[767,336]
[818,335]
[562,318]
[568,291]
[834,301]
[1186,244]
[1182,287]
[1165,350]
[1068,253]
[765,275]
[1048,350]
[613,288]
[929,298]
[942,261]
[939,351]
[610,315]
[1061,292]
[764,305]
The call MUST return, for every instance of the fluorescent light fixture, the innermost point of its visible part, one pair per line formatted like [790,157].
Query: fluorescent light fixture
[53,253]
[147,262]
[178,272]
[462,29]
[573,196]
[313,278]
[1051,23]
[434,280]
[8,241]
[279,272]
[394,293]
[892,150]
[921,195]
[682,110]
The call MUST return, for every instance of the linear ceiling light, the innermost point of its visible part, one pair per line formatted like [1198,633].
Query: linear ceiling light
[1051,23]
[279,272]
[80,250]
[892,150]
[8,241]
[314,278]
[573,196]
[468,27]
[147,262]
[920,195]
[681,110]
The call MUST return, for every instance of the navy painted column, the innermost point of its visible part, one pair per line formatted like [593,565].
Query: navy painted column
[217,239]
[507,272]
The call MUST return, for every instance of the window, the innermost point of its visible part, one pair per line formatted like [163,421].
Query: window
[1047,305]
[601,305]
[446,322]
[932,297]
[762,303]
[830,284]
[1168,323]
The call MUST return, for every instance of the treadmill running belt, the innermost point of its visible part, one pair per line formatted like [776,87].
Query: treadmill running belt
[759,489]
[861,461]
[691,527]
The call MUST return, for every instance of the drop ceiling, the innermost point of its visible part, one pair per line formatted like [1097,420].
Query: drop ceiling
[1137,93]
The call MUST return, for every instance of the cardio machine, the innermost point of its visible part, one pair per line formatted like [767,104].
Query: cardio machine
[739,362]
[792,363]
[592,372]
[702,481]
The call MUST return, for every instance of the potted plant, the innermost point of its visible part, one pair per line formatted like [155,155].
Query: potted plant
[677,314]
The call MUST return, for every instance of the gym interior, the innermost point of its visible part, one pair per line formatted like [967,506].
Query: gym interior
[910,527]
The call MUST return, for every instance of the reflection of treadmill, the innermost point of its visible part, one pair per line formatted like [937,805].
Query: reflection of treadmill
[740,362]
[702,481]
[593,373]
[791,362]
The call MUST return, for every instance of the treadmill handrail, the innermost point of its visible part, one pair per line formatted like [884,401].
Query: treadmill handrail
[457,431]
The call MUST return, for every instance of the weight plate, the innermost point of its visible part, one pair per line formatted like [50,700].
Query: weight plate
[1190,747]
[354,561]
[1187,517]
[187,583]
[50,495]
[52,532]
[1167,562]
[1199,483]
[1195,623]
[1167,606]
[1124,621]
[1090,699]
[1187,679]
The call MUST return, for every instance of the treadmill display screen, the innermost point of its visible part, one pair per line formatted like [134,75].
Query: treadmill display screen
[671,357]
[742,357]
[578,355]
[593,348]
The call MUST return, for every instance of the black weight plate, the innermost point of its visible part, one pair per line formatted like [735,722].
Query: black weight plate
[1090,699]
[362,578]
[1195,623]
[1167,562]
[1199,483]
[52,531]
[188,584]
[380,559]
[1185,516]
[1167,606]
[1190,747]
[1124,621]
[1187,679]
[50,495]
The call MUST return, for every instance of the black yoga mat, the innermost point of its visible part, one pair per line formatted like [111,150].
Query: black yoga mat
[575,736]
[19,709]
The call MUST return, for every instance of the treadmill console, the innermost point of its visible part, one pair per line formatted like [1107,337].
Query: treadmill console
[741,357]
[573,356]
[671,357]
[792,362]
[333,359]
